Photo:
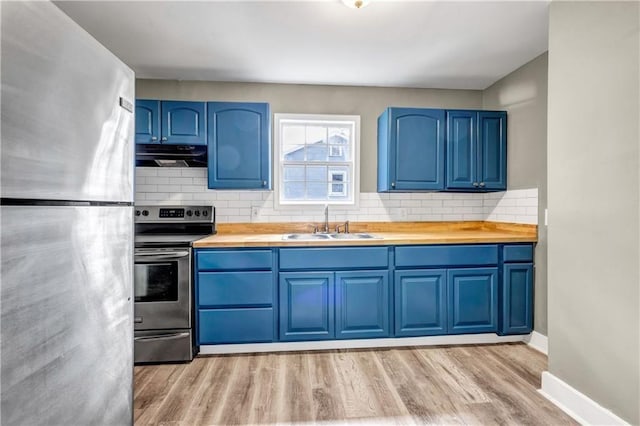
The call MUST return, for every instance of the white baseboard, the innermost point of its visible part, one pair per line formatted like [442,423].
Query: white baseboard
[538,342]
[576,404]
[460,339]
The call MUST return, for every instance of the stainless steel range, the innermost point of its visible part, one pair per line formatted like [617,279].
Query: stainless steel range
[163,279]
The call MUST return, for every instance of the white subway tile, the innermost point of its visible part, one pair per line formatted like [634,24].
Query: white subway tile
[253,195]
[169,172]
[240,203]
[157,180]
[432,203]
[453,203]
[169,188]
[146,171]
[140,196]
[411,203]
[196,172]
[146,188]
[157,196]
[532,211]
[182,181]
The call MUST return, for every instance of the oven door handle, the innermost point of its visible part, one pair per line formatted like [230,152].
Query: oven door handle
[161,337]
[164,255]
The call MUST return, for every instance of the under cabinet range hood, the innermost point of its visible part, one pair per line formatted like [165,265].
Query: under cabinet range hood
[148,155]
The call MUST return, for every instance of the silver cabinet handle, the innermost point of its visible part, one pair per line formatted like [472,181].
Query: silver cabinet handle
[164,138]
[393,184]
[161,337]
[154,138]
[481,184]
[264,183]
[475,184]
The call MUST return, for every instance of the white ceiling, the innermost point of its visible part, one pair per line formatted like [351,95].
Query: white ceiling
[430,44]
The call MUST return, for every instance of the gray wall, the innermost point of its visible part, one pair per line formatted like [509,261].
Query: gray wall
[523,93]
[368,102]
[594,199]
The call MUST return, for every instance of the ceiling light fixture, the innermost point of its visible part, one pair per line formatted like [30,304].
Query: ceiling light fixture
[356,4]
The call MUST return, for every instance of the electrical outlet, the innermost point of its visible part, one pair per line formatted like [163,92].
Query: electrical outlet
[255,212]
[403,213]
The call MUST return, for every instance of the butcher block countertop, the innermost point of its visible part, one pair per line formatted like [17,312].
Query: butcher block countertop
[387,233]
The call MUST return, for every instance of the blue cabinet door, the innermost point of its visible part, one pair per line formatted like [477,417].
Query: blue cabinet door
[420,303]
[462,150]
[147,121]
[362,304]
[492,146]
[239,150]
[306,306]
[411,149]
[517,299]
[473,300]
[184,123]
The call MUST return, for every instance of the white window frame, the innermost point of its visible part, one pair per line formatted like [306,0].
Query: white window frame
[278,162]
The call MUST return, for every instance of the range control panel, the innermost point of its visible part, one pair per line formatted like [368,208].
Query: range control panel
[174,214]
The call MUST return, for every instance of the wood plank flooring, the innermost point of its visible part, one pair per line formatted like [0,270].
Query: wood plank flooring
[479,384]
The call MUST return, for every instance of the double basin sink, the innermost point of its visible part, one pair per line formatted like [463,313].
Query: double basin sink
[336,236]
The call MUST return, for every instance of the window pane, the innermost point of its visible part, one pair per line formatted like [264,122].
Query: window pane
[293,138]
[317,152]
[294,191]
[339,174]
[317,191]
[317,173]
[316,134]
[294,173]
[339,135]
[338,191]
[338,153]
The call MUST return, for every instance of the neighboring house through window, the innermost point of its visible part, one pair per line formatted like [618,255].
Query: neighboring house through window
[317,159]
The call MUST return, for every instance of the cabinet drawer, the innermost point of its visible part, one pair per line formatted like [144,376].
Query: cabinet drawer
[220,260]
[518,253]
[334,258]
[217,289]
[235,325]
[462,255]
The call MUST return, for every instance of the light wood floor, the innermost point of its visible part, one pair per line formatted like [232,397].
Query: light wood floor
[481,384]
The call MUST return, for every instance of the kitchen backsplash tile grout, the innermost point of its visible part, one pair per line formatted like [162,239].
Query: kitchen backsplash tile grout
[156,185]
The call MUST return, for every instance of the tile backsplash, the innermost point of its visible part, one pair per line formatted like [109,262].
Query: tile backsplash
[155,185]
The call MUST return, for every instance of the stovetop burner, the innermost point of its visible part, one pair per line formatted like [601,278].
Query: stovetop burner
[173,226]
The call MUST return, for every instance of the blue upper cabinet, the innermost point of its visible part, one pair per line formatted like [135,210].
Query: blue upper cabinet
[462,149]
[171,122]
[492,148]
[411,149]
[476,150]
[184,123]
[239,149]
[147,121]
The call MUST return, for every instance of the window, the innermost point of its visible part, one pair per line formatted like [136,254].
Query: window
[317,159]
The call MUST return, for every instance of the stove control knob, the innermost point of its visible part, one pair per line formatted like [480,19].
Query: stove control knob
[189,213]
[145,212]
[205,213]
[137,212]
[197,213]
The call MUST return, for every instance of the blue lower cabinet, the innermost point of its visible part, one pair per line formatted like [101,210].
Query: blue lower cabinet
[362,304]
[242,325]
[420,302]
[473,300]
[517,299]
[306,306]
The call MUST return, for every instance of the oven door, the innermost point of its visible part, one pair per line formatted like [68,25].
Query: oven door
[162,288]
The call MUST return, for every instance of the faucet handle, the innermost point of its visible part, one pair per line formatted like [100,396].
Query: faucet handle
[314,226]
[344,226]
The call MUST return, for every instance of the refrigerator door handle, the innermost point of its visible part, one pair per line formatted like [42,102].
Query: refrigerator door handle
[171,336]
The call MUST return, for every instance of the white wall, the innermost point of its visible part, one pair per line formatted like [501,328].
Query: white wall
[594,201]
[523,94]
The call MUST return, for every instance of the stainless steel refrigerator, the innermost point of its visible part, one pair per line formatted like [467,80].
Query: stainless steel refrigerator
[66,179]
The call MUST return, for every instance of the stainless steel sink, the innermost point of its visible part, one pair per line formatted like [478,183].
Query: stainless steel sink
[355,236]
[299,237]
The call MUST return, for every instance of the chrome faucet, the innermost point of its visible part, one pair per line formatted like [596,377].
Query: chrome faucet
[326,218]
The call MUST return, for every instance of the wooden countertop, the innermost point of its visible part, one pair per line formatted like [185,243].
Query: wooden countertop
[388,233]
